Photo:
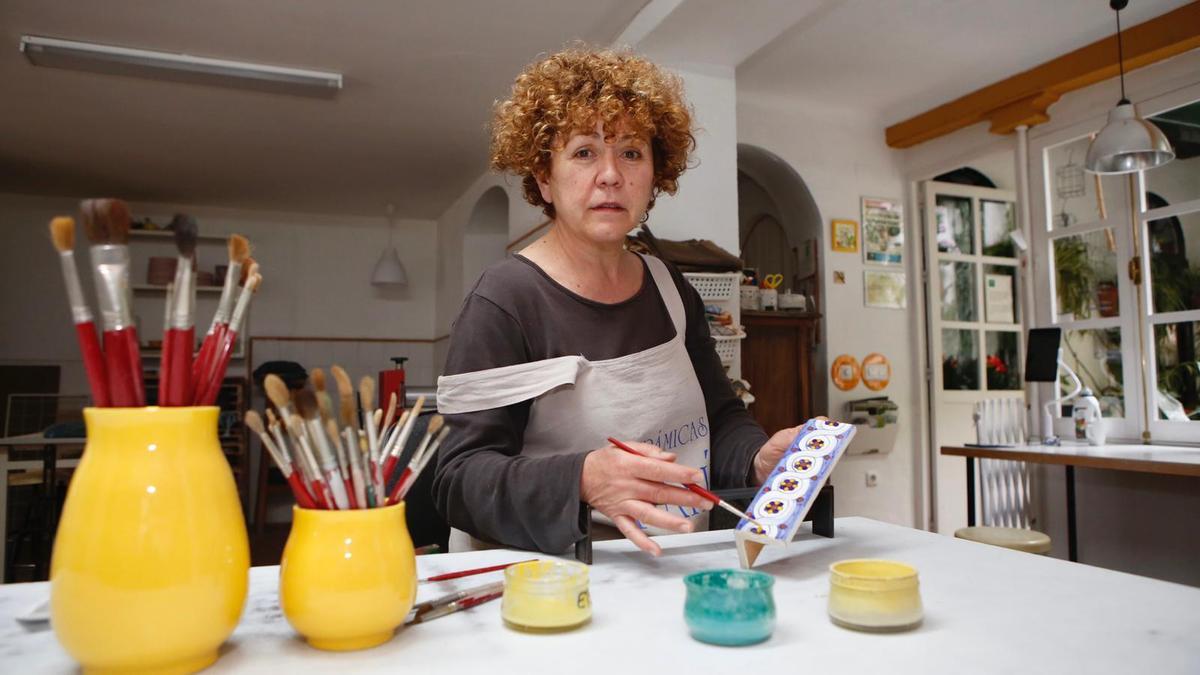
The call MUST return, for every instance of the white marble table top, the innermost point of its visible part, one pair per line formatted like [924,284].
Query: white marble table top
[1172,459]
[987,610]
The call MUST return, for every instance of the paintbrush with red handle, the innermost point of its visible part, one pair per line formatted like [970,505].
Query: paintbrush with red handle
[299,490]
[179,335]
[455,602]
[106,222]
[210,384]
[471,572]
[717,501]
[62,233]
[413,471]
[239,265]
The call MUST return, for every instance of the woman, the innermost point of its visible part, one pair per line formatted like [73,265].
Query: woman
[575,339]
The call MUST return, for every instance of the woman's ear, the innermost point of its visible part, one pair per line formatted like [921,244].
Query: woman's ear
[543,183]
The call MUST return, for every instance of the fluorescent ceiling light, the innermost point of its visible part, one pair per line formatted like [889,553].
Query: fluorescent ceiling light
[57,52]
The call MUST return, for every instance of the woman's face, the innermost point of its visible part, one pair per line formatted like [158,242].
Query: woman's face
[599,186]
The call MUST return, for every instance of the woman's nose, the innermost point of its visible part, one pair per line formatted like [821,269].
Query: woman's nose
[609,173]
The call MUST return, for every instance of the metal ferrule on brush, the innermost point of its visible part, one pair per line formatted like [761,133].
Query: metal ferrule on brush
[80,312]
[225,305]
[185,295]
[111,266]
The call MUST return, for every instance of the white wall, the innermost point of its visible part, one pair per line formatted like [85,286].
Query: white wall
[316,272]
[841,156]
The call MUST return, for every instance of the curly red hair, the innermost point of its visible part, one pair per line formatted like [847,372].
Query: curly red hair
[567,92]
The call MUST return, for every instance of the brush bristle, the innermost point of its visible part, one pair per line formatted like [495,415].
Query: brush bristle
[95,227]
[306,404]
[435,425]
[318,379]
[62,233]
[277,391]
[239,249]
[115,215]
[185,234]
[254,282]
[343,381]
[366,391]
[254,421]
[271,417]
[247,264]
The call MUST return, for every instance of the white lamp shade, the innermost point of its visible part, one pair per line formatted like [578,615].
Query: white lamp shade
[1127,143]
[389,271]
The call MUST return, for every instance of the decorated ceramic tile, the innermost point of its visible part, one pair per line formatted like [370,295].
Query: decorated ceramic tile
[786,496]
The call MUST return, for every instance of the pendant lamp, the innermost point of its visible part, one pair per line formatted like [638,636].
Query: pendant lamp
[389,271]
[1127,143]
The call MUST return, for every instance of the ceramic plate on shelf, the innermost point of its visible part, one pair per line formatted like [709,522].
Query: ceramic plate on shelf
[788,493]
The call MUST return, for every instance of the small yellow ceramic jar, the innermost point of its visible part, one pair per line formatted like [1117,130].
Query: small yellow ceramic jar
[874,595]
[546,596]
[348,578]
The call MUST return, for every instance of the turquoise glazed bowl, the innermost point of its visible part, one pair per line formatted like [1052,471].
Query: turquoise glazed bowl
[730,607]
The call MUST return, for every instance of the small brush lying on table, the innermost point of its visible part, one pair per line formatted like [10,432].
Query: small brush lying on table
[717,501]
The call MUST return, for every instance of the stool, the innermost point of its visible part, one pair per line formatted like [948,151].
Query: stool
[1015,538]
[38,524]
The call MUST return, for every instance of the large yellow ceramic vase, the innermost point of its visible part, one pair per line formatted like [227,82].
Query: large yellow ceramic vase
[151,560]
[348,578]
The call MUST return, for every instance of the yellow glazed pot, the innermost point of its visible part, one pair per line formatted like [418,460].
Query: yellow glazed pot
[878,595]
[151,559]
[348,578]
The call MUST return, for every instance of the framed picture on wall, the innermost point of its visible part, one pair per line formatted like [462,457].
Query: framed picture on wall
[885,289]
[844,235]
[883,231]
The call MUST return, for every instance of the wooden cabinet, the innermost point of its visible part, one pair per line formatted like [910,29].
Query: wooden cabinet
[777,362]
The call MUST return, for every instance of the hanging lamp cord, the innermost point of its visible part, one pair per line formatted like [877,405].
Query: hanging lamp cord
[1117,6]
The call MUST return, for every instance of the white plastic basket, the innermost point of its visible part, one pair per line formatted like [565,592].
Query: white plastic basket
[722,286]
[726,346]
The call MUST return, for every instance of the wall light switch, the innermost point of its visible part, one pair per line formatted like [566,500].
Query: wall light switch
[872,478]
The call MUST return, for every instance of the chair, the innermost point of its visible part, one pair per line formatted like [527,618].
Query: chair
[1006,490]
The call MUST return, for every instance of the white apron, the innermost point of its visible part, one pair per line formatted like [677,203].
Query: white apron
[651,396]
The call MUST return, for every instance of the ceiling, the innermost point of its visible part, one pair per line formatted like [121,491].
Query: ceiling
[893,60]
[409,127]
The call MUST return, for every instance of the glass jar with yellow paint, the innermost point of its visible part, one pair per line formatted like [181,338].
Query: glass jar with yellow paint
[546,596]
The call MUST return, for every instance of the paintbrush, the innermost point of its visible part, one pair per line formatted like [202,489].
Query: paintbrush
[392,436]
[435,425]
[402,440]
[347,404]
[320,487]
[278,393]
[325,403]
[471,572]
[413,471]
[366,394]
[224,351]
[299,491]
[306,403]
[387,419]
[106,222]
[297,458]
[455,602]
[239,264]
[716,501]
[179,335]
[62,233]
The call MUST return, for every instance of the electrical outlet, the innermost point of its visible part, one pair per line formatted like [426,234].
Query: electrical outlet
[872,478]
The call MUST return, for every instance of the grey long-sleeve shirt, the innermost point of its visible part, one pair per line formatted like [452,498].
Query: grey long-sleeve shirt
[516,313]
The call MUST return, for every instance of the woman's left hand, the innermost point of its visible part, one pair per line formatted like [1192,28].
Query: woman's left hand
[769,454]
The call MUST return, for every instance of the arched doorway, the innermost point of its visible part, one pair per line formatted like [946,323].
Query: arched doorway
[485,236]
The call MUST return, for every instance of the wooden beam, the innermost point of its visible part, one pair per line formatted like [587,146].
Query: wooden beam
[1025,97]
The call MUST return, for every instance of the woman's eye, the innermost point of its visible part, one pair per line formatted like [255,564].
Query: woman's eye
[633,154]
[583,153]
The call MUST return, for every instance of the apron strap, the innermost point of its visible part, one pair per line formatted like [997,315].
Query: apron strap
[669,292]
[506,385]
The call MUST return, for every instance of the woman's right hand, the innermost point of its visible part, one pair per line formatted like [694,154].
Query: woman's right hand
[626,488]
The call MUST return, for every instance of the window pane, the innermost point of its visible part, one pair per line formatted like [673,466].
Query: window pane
[960,359]
[1095,356]
[1073,198]
[1003,363]
[1175,348]
[956,226]
[1175,262]
[1178,180]
[1085,268]
[999,218]
[1000,297]
[958,291]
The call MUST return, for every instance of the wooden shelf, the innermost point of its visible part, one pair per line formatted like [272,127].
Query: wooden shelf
[153,288]
[168,235]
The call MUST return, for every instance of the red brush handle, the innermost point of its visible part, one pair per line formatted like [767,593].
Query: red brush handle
[135,364]
[121,390]
[93,363]
[176,381]
[216,372]
[468,603]
[401,487]
[200,365]
[691,486]
[300,492]
[350,493]
[389,465]
[472,572]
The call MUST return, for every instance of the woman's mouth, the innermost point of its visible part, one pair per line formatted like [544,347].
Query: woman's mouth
[608,206]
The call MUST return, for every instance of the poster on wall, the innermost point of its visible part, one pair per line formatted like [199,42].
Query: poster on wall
[998,298]
[882,231]
[884,289]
